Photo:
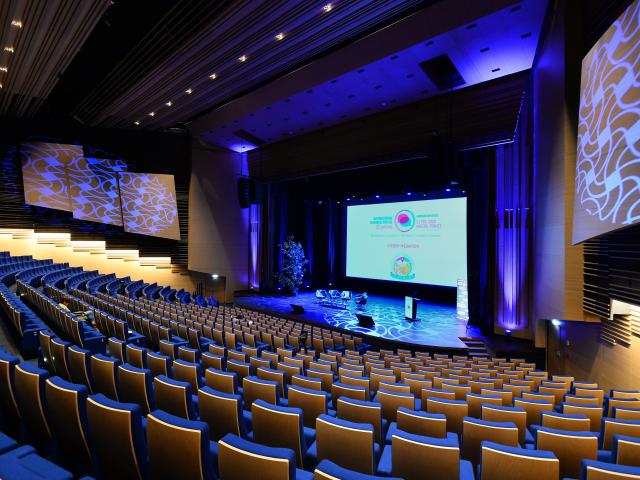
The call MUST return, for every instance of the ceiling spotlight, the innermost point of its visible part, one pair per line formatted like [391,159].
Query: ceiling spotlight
[152,114]
[213,76]
[4,69]
[188,91]
[16,23]
[8,49]
[328,7]
[280,36]
[137,122]
[243,58]
[0,86]
[169,103]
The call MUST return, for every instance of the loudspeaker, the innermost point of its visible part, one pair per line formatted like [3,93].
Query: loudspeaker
[297,308]
[244,192]
[365,320]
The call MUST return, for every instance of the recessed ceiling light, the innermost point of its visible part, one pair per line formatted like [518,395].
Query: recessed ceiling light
[243,58]
[188,91]
[328,7]
[137,122]
[8,49]
[169,103]
[152,114]
[279,36]
[4,69]
[16,23]
[213,76]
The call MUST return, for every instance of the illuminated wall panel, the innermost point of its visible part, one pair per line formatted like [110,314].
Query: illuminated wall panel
[607,193]
[149,204]
[44,173]
[93,185]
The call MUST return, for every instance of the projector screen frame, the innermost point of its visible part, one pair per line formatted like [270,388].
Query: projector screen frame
[432,292]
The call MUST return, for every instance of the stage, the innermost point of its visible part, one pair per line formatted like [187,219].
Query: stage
[436,325]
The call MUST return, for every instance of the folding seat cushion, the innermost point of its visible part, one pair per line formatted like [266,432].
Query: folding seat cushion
[10,415]
[500,462]
[612,426]
[30,398]
[104,375]
[348,444]
[594,470]
[239,459]
[117,438]
[570,447]
[475,431]
[179,448]
[575,422]
[454,410]
[361,411]
[24,464]
[313,403]
[67,418]
[277,426]
[174,397]
[136,387]
[418,423]
[411,456]
[223,412]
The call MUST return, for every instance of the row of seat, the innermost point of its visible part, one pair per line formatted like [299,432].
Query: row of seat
[24,323]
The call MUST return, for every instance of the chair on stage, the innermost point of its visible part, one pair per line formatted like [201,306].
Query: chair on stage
[360,299]
[321,295]
[346,296]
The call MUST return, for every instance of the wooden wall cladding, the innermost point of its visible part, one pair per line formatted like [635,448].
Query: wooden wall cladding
[471,116]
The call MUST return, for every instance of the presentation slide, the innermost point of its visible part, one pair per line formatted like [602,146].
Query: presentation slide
[607,195]
[421,241]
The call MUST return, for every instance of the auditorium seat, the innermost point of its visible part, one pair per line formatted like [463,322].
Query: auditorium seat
[362,411]
[350,445]
[620,402]
[30,398]
[339,389]
[517,416]
[327,470]
[59,357]
[533,408]
[221,381]
[80,366]
[312,402]
[576,422]
[242,369]
[136,387]
[570,447]
[175,397]
[239,459]
[612,426]
[223,412]
[188,372]
[180,448]
[592,412]
[500,462]
[418,423]
[454,410]
[274,376]
[117,438]
[625,450]
[211,360]
[256,389]
[594,470]
[391,401]
[104,375]
[625,413]
[415,457]
[10,415]
[475,431]
[117,349]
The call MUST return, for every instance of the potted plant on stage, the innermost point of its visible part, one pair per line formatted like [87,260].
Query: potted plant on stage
[293,265]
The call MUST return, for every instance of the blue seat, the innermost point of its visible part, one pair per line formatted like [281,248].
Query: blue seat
[410,456]
[67,414]
[117,438]
[327,470]
[223,412]
[240,459]
[625,450]
[419,423]
[594,470]
[180,448]
[10,416]
[175,397]
[136,387]
[24,464]
[7,443]
[30,397]
[500,462]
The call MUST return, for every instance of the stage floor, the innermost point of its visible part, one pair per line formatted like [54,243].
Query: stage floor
[437,325]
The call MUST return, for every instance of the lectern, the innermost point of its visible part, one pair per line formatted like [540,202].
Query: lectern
[410,308]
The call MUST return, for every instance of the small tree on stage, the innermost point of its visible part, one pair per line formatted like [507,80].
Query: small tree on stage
[293,264]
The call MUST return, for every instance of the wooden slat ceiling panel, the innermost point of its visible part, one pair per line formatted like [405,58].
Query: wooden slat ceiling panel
[51,34]
[244,28]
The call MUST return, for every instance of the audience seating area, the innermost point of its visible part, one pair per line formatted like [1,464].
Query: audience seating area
[162,386]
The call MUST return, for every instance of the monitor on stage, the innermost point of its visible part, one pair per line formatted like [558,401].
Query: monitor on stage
[421,242]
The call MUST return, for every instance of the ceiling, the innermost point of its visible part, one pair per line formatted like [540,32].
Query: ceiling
[493,46]
[38,40]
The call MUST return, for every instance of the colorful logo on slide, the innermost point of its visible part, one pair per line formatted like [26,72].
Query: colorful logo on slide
[402,268]
[404,220]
